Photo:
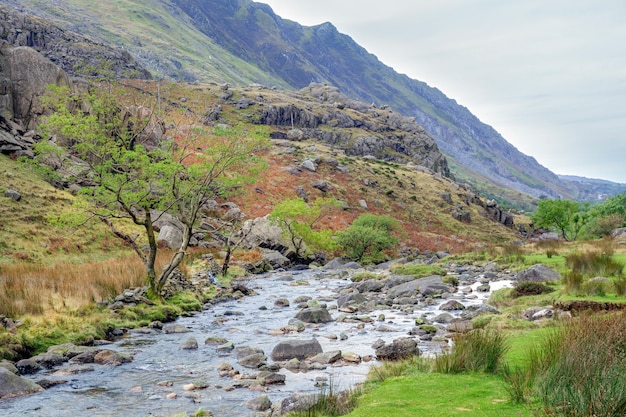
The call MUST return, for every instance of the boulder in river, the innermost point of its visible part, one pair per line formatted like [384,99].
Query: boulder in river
[12,385]
[399,349]
[299,349]
[314,315]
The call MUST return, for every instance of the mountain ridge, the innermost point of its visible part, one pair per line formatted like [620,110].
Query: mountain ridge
[289,55]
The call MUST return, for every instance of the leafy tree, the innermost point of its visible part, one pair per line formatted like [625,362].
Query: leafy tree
[368,236]
[132,180]
[607,216]
[297,219]
[563,215]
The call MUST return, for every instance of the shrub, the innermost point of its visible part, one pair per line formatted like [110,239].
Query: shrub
[367,237]
[525,288]
[477,351]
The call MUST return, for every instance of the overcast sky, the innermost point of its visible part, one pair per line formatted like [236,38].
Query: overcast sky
[548,75]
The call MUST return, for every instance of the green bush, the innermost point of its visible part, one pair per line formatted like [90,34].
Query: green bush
[367,237]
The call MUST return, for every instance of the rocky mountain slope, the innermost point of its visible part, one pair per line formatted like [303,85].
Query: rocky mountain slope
[242,42]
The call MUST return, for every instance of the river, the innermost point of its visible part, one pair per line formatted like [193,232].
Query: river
[160,367]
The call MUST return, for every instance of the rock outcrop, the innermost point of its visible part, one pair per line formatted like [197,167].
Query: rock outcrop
[74,53]
[24,76]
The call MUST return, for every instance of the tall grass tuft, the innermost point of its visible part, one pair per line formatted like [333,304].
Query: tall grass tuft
[390,369]
[479,350]
[331,403]
[594,263]
[587,368]
[578,370]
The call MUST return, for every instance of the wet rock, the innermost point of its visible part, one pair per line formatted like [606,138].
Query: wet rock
[299,349]
[371,285]
[27,366]
[451,306]
[226,347]
[190,344]
[12,385]
[271,378]
[351,357]
[47,383]
[213,340]
[73,369]
[8,366]
[350,302]
[109,357]
[478,310]
[175,328]
[281,302]
[327,357]
[86,357]
[260,403]
[49,360]
[399,349]
[426,286]
[253,361]
[314,315]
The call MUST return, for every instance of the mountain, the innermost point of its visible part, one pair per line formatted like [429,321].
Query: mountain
[242,42]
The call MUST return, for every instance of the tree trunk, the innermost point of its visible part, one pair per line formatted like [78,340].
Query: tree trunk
[177,258]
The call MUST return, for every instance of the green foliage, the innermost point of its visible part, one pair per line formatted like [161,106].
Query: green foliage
[367,237]
[476,351]
[297,219]
[607,216]
[563,215]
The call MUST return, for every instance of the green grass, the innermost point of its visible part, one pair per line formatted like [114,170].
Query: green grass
[440,395]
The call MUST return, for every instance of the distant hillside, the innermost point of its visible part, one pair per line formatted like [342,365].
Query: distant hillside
[594,189]
[243,42]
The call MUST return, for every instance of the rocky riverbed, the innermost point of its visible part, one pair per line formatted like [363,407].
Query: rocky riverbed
[262,354]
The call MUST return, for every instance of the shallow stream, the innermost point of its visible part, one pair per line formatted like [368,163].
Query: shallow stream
[138,389]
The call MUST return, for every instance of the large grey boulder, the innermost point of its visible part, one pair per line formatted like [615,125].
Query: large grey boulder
[171,236]
[29,74]
[314,315]
[427,286]
[399,349]
[298,349]
[12,385]
[538,273]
